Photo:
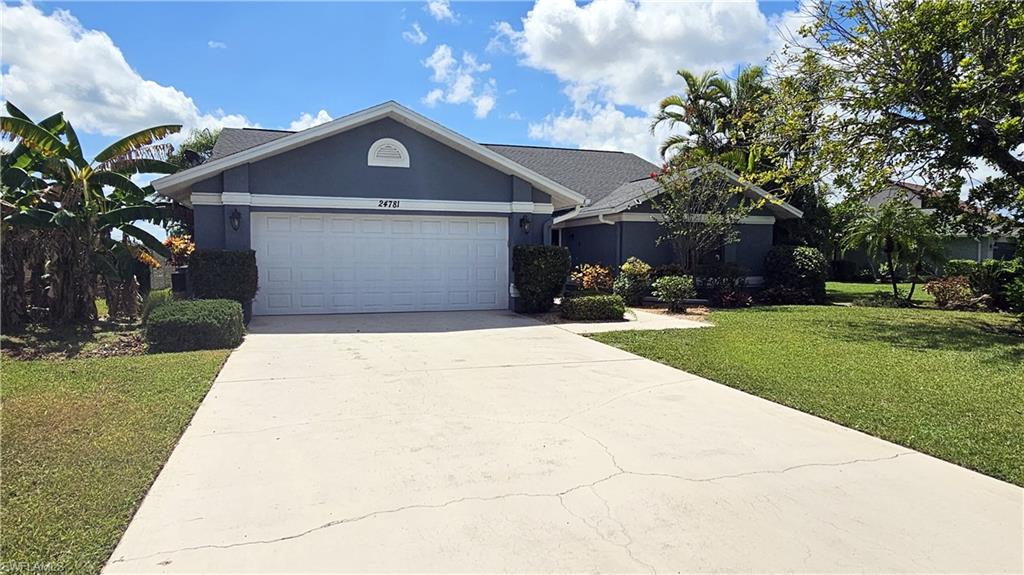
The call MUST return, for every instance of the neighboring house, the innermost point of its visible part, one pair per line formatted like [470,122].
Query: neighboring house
[385,210]
[960,246]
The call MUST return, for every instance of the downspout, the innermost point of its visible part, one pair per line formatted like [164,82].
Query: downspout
[600,218]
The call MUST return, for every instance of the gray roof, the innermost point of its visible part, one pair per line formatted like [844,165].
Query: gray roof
[593,173]
[624,197]
[233,140]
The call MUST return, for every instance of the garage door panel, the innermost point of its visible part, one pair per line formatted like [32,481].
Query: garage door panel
[349,263]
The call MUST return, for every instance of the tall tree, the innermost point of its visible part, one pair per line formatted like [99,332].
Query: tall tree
[48,184]
[922,89]
[718,114]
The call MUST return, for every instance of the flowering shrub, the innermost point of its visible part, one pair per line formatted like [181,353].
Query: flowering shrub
[181,249]
[634,281]
[593,277]
[675,290]
[953,292]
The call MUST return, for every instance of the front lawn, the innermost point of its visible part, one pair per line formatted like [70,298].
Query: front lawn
[848,291]
[945,383]
[83,440]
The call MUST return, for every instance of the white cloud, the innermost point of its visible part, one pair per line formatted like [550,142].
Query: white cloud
[459,80]
[616,55]
[53,64]
[601,127]
[216,44]
[441,10]
[307,120]
[416,35]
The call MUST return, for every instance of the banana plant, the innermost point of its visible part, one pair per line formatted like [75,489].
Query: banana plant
[48,184]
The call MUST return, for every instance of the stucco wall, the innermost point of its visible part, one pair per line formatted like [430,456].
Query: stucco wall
[597,244]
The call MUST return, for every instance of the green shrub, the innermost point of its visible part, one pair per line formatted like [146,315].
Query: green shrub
[593,307]
[194,324]
[539,274]
[952,292]
[665,270]
[992,278]
[223,274]
[1015,295]
[674,290]
[959,268]
[155,299]
[634,281]
[800,270]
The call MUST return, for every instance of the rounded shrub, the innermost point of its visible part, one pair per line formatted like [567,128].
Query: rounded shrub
[634,281]
[798,270]
[539,274]
[223,274]
[194,324]
[674,290]
[594,307]
[155,299]
[953,292]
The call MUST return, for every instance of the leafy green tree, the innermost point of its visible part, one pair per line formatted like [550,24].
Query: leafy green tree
[876,89]
[78,204]
[195,149]
[900,233]
[700,206]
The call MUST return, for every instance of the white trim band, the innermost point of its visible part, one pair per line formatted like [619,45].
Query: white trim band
[382,204]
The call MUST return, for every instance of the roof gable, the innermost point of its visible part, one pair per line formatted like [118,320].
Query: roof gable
[178,185]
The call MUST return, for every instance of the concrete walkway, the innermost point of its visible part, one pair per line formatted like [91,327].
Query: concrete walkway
[636,319]
[489,442]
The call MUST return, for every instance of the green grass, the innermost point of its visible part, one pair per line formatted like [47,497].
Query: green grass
[950,384]
[847,291]
[83,440]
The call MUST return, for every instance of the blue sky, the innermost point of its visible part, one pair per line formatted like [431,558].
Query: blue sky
[549,72]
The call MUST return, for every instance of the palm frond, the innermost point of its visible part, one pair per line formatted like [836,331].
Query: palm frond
[127,215]
[146,239]
[147,166]
[135,142]
[118,182]
[16,112]
[31,136]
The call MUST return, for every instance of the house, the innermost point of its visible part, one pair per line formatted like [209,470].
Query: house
[959,246]
[385,210]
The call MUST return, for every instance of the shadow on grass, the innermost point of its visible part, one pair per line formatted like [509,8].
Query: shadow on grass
[926,333]
[40,341]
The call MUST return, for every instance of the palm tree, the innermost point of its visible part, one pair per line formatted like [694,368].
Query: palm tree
[899,232]
[718,113]
[48,184]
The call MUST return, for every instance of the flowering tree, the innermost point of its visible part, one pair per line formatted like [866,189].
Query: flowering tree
[700,206]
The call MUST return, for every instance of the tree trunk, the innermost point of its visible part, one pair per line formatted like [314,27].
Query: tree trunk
[12,269]
[892,275]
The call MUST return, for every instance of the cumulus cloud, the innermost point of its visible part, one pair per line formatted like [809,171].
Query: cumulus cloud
[52,63]
[307,120]
[459,81]
[216,44]
[416,35]
[441,10]
[618,58]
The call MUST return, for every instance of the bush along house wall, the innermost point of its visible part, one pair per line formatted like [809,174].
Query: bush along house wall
[224,274]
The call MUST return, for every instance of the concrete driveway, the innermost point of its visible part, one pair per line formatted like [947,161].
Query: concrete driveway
[488,442]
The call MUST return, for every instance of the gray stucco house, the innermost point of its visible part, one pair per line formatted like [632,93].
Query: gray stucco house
[385,210]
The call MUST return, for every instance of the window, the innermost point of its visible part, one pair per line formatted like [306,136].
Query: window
[388,152]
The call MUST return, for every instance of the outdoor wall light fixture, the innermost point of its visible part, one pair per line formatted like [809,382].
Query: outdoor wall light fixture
[236,219]
[524,223]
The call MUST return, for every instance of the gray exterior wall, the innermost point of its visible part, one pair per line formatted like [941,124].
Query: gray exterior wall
[611,245]
[337,167]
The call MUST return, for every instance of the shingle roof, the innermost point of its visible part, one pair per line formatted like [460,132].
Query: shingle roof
[234,140]
[623,196]
[593,173]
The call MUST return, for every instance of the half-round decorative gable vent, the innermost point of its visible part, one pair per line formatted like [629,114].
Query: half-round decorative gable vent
[388,152]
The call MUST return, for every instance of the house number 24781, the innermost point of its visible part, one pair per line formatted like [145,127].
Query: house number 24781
[387,203]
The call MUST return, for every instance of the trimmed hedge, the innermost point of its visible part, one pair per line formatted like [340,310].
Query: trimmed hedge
[959,268]
[593,307]
[153,300]
[797,270]
[539,274]
[195,324]
[223,274]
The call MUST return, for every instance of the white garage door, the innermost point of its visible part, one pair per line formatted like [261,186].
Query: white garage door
[356,263]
